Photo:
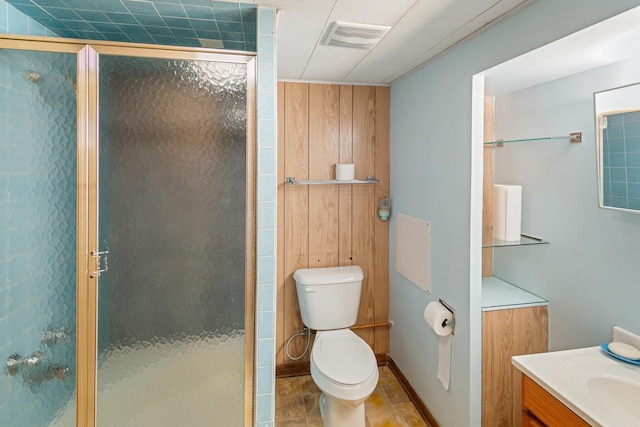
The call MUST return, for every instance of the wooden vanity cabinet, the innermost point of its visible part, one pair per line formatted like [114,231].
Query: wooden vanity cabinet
[506,333]
[541,409]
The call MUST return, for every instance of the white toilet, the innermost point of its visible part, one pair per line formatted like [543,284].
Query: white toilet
[343,366]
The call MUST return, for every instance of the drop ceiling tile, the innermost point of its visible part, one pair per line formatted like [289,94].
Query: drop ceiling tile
[373,75]
[420,33]
[380,12]
[463,10]
[332,63]
[380,56]
[464,31]
[376,66]
[500,9]
[298,33]
[299,4]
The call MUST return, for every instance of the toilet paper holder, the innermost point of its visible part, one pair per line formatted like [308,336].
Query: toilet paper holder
[448,322]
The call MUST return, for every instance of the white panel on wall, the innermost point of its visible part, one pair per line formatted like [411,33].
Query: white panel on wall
[412,250]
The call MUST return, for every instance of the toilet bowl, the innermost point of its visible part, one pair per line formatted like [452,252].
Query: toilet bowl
[344,368]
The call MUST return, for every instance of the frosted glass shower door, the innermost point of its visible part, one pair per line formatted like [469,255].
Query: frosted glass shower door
[37,237]
[172,214]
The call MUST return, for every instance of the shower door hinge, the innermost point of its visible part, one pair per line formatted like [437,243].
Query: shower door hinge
[99,269]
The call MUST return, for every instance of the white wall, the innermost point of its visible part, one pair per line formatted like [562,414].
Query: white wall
[589,272]
[431,178]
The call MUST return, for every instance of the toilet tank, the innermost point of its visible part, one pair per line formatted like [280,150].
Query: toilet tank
[329,298]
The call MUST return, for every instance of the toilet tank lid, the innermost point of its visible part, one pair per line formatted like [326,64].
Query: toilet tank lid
[328,275]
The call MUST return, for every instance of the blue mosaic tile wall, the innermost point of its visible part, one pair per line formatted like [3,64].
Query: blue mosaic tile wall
[621,161]
[12,21]
[166,22]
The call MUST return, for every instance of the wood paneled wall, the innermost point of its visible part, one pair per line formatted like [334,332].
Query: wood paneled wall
[320,125]
[487,185]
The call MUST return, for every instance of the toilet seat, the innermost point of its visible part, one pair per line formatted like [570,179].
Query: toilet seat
[343,357]
[343,366]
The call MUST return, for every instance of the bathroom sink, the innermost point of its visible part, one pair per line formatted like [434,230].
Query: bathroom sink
[611,385]
[618,397]
[602,390]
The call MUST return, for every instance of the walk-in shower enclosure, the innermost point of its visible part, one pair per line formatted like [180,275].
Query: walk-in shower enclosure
[126,235]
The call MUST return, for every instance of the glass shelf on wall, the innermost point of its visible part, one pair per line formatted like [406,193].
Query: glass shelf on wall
[525,240]
[500,295]
[294,181]
[572,137]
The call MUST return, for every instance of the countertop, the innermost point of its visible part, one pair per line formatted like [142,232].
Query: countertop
[567,375]
[500,295]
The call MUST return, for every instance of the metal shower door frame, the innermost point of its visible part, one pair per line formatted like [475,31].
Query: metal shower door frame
[87,264]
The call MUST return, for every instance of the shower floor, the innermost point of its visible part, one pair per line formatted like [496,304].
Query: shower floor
[189,383]
[388,406]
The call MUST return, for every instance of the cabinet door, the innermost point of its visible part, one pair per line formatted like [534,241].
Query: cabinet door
[529,421]
[547,408]
[507,333]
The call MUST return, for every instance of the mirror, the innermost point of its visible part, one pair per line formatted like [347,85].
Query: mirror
[618,129]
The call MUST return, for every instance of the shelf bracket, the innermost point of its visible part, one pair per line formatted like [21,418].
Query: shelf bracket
[575,137]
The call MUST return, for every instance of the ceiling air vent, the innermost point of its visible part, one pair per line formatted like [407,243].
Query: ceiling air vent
[353,35]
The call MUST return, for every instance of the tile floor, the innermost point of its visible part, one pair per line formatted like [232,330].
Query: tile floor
[388,406]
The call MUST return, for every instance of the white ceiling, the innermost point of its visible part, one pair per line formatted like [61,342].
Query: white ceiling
[609,41]
[421,30]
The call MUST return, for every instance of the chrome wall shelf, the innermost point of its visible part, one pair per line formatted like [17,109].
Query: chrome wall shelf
[572,137]
[368,180]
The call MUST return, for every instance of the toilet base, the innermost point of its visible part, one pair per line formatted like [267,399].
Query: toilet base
[336,414]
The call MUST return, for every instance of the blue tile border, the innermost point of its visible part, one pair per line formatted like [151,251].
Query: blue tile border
[266,212]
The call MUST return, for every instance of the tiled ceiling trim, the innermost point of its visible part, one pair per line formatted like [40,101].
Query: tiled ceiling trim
[166,22]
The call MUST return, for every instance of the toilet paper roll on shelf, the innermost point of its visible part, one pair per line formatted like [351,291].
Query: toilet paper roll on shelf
[345,171]
[441,321]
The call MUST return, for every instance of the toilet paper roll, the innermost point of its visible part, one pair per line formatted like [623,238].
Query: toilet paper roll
[345,171]
[436,315]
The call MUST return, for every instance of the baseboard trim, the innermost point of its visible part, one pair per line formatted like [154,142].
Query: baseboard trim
[419,404]
[293,369]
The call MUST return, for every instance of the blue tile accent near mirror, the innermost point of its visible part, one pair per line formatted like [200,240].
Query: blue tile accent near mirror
[167,22]
[621,158]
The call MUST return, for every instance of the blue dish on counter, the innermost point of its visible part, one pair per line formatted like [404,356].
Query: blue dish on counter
[605,348]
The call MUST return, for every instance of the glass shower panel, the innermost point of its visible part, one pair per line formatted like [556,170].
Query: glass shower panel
[37,238]
[172,197]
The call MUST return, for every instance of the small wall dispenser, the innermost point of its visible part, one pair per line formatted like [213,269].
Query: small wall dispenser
[384,208]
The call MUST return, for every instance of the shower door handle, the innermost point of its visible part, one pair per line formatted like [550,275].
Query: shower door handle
[99,269]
